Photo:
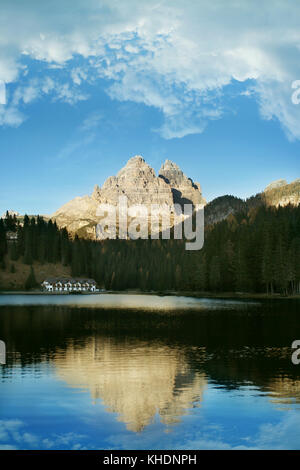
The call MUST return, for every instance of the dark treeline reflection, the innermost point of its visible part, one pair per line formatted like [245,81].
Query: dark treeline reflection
[232,347]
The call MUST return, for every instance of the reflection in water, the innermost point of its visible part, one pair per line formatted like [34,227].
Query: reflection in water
[134,379]
[222,373]
[125,301]
[268,369]
[284,389]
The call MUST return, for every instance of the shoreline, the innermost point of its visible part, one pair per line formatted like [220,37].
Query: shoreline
[199,295]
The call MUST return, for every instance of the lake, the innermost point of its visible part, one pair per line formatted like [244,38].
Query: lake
[120,371]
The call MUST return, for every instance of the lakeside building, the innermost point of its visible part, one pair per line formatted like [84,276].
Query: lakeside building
[69,285]
[11,236]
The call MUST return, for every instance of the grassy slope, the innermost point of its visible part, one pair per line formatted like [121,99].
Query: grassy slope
[14,281]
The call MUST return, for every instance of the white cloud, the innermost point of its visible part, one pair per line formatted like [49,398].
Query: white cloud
[92,121]
[36,89]
[26,94]
[275,102]
[78,75]
[11,116]
[71,96]
[283,435]
[170,55]
[13,436]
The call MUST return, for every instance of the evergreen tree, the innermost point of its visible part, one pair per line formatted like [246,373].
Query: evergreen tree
[215,274]
[3,243]
[31,280]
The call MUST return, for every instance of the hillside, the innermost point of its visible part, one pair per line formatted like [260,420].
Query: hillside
[276,194]
[16,280]
[255,251]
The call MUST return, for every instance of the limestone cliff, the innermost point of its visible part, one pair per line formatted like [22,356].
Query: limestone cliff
[137,180]
[184,190]
[139,183]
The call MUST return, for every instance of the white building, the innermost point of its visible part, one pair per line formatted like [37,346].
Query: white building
[69,285]
[11,236]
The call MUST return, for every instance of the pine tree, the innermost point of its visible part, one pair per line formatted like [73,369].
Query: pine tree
[201,274]
[31,280]
[3,243]
[13,252]
[215,274]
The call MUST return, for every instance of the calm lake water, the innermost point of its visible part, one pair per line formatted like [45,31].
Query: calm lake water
[148,372]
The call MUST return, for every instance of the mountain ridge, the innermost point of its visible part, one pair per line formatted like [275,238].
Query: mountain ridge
[137,181]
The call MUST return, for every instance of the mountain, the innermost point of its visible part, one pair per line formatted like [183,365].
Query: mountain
[138,182]
[184,190]
[277,193]
[221,207]
[280,193]
[10,212]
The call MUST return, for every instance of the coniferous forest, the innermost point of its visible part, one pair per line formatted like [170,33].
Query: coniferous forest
[255,251]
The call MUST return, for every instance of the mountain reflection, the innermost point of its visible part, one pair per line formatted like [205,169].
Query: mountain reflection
[133,378]
[143,365]
[283,390]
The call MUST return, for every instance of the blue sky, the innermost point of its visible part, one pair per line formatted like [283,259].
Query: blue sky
[206,86]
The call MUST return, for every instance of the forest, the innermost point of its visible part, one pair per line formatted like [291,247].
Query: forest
[252,251]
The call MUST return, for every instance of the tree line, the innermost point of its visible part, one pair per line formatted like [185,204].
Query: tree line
[256,250]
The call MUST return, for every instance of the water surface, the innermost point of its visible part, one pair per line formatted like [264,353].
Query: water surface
[135,371]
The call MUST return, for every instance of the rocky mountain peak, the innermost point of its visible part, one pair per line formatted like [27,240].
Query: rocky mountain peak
[276,184]
[137,180]
[136,160]
[139,183]
[184,189]
[136,167]
[171,169]
[169,165]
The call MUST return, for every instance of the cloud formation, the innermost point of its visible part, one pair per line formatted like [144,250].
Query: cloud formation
[283,434]
[13,436]
[178,57]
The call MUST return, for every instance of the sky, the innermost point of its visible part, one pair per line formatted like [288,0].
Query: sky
[87,84]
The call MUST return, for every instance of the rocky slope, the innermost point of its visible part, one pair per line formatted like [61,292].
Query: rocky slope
[283,194]
[278,193]
[78,216]
[184,190]
[137,180]
[139,183]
